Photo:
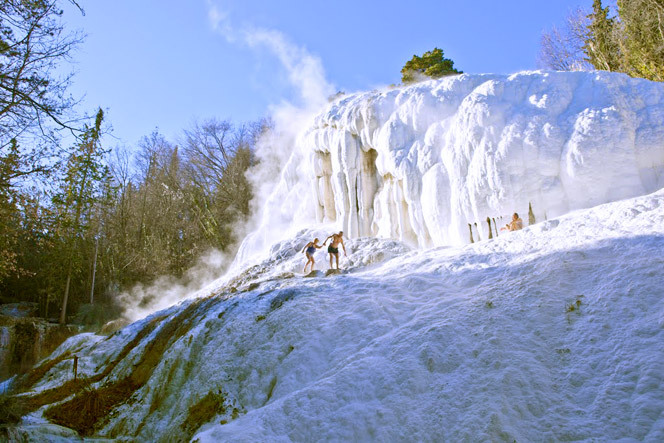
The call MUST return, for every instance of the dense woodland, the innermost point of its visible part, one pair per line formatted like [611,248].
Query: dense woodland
[81,221]
[113,219]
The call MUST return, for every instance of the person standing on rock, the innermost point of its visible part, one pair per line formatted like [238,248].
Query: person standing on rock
[333,249]
[309,250]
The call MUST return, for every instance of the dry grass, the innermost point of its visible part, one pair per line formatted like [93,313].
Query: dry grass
[10,412]
[32,403]
[89,407]
[203,411]
[28,404]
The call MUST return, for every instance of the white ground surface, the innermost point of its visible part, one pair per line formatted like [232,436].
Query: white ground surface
[453,343]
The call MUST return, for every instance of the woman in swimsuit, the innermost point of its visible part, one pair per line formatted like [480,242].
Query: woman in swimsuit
[309,251]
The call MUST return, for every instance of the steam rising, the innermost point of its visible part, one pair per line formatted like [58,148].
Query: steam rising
[166,291]
[280,212]
[306,76]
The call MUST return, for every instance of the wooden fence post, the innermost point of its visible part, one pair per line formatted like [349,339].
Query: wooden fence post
[531,215]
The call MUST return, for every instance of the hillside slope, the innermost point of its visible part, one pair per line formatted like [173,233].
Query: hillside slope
[555,332]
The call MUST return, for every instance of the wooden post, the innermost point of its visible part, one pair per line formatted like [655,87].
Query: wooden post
[488,220]
[75,366]
[470,228]
[531,215]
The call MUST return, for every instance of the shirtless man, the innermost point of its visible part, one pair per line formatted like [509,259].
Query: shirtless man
[333,249]
[515,225]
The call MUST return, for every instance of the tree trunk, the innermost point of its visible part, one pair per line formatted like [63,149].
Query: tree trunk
[94,271]
[63,313]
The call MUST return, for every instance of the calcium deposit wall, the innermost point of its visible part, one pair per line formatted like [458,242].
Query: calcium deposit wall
[420,163]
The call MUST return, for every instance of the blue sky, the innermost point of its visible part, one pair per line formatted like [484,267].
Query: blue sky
[163,64]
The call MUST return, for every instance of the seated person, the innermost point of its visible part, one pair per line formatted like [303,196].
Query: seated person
[515,225]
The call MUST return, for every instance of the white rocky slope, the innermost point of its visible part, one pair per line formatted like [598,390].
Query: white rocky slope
[420,163]
[471,343]
[552,333]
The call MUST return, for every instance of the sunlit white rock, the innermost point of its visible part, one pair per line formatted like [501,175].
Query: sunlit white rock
[420,163]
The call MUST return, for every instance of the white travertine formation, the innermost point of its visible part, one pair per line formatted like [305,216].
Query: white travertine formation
[420,163]
[547,334]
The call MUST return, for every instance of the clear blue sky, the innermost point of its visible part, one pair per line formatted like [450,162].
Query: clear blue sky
[160,63]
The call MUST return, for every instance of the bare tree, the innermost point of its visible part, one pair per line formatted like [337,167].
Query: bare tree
[216,157]
[33,43]
[561,49]
[208,148]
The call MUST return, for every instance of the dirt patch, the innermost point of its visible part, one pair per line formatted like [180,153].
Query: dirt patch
[147,330]
[31,403]
[35,374]
[281,298]
[86,409]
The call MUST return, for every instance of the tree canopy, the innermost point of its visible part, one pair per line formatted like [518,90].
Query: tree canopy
[642,42]
[80,223]
[33,43]
[601,45]
[629,40]
[431,64]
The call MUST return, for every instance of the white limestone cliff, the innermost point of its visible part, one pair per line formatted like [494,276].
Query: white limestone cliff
[421,163]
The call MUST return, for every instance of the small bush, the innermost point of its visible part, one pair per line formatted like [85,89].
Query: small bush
[574,306]
[432,64]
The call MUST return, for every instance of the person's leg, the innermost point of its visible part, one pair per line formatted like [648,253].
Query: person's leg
[330,260]
[337,257]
